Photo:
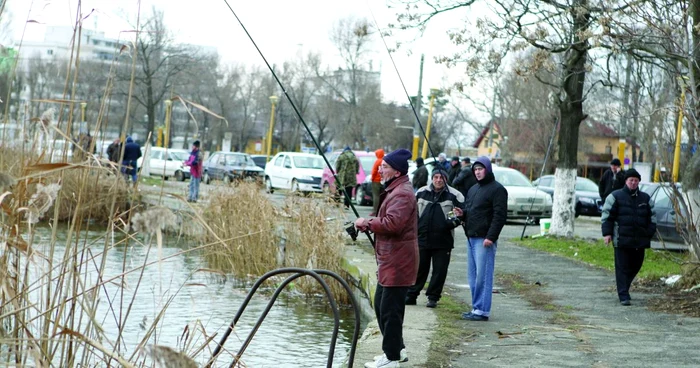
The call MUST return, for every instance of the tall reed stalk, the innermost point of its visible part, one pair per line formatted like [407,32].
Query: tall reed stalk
[297,234]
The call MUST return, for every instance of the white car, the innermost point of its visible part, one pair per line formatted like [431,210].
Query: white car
[524,200]
[167,163]
[294,171]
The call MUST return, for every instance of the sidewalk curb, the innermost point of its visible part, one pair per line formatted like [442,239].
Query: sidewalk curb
[420,322]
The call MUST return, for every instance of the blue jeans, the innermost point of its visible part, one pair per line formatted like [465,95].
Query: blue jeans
[194,188]
[481,261]
[131,170]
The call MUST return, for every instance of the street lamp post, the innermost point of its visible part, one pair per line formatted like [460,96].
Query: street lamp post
[273,102]
[433,94]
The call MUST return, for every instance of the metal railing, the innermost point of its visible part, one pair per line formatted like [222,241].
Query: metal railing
[295,274]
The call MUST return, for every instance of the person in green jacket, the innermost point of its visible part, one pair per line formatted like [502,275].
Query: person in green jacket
[346,168]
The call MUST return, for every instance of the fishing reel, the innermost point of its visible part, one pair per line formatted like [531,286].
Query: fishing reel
[351,230]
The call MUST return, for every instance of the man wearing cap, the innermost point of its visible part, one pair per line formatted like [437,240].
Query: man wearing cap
[465,179]
[396,249]
[613,179]
[454,169]
[628,221]
[195,164]
[485,212]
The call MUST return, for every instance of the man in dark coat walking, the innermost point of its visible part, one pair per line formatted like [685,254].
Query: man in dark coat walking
[613,179]
[439,205]
[420,176]
[465,179]
[629,222]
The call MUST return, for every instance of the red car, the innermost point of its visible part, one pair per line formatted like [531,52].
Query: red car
[366,162]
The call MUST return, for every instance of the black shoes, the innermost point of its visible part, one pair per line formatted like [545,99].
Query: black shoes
[474,317]
[625,302]
[410,301]
[431,304]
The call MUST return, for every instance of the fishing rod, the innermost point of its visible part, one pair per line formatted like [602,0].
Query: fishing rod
[403,86]
[351,229]
[544,164]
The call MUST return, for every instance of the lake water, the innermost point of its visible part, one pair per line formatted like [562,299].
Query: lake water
[296,333]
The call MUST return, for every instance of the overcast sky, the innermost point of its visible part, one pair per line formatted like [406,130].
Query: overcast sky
[281,28]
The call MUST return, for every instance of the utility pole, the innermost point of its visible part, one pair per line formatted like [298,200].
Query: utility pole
[419,99]
[623,120]
[492,122]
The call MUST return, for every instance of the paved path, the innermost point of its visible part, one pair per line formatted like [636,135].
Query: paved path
[601,334]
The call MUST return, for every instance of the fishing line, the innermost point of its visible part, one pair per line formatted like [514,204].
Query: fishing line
[544,164]
[298,114]
[403,86]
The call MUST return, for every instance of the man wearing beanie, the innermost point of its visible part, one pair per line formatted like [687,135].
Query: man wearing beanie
[628,221]
[195,164]
[396,249]
[485,210]
[439,207]
[613,179]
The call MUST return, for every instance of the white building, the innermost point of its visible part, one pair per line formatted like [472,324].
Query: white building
[58,44]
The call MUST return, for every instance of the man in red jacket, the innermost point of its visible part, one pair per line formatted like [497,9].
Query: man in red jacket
[376,180]
[396,240]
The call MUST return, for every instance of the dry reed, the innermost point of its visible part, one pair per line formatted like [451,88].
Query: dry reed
[296,235]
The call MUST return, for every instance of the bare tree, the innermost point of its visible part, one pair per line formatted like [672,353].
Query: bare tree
[161,63]
[553,30]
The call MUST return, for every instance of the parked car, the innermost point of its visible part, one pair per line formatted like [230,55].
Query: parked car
[294,171]
[230,166]
[524,200]
[260,160]
[366,160]
[166,163]
[588,200]
[669,226]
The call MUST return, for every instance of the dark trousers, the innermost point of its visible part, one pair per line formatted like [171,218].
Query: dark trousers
[628,262]
[376,191]
[346,200]
[440,259]
[389,307]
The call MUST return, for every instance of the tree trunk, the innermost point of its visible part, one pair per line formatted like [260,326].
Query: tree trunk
[571,115]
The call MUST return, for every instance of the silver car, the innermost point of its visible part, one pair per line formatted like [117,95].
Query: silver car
[524,200]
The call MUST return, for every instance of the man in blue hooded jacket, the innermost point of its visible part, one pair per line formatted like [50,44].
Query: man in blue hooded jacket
[485,212]
[132,152]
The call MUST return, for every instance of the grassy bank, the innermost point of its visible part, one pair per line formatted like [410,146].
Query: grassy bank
[657,263]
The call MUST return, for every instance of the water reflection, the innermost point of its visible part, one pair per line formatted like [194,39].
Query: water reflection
[201,304]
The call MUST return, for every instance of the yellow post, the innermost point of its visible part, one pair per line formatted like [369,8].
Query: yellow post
[621,151]
[416,141]
[83,105]
[159,137]
[679,130]
[657,172]
[433,94]
[273,101]
[168,116]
